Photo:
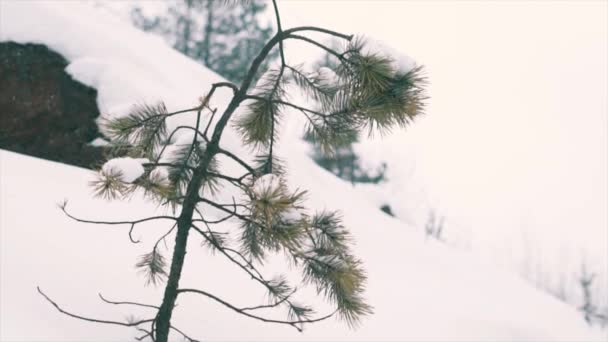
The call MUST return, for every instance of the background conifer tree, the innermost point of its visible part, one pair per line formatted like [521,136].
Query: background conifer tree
[178,167]
[345,163]
[224,36]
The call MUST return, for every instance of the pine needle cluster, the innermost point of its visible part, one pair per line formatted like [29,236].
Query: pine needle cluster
[319,245]
[364,91]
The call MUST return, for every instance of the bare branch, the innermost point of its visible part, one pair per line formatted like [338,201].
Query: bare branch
[63,207]
[94,320]
[237,159]
[126,303]
[259,318]
[147,334]
[190,339]
[319,29]
[275,304]
[165,164]
[285,103]
[209,124]
[222,208]
[319,45]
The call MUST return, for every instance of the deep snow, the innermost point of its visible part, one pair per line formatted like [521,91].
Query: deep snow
[420,291]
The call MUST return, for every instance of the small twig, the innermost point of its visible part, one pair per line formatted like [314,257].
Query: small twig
[258,276]
[209,124]
[190,339]
[94,320]
[162,238]
[267,306]
[289,104]
[168,142]
[147,333]
[319,45]
[126,303]
[237,159]
[132,223]
[222,208]
[230,306]
[319,29]
[166,164]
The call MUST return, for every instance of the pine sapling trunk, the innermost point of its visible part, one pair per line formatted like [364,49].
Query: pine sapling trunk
[367,91]
[163,319]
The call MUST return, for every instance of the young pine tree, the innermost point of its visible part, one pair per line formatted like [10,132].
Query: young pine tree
[224,36]
[178,166]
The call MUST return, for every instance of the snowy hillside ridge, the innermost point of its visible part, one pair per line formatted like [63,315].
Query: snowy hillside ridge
[420,292]
[439,293]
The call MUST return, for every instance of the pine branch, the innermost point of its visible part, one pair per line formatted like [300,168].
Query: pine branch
[188,338]
[170,138]
[319,29]
[252,271]
[153,266]
[237,159]
[332,52]
[127,303]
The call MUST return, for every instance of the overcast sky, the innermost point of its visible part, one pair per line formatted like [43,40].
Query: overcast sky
[516,132]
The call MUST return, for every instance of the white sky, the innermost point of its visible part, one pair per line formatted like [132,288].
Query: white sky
[515,137]
[516,132]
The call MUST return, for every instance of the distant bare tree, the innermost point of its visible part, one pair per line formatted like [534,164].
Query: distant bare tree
[590,310]
[434,226]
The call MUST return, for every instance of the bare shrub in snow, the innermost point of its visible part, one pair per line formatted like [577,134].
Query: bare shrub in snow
[434,226]
[590,308]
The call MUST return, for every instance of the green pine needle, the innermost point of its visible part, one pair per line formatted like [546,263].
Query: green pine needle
[153,266]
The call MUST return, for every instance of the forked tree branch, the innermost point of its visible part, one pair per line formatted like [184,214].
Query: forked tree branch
[288,104]
[94,320]
[319,45]
[63,207]
[319,29]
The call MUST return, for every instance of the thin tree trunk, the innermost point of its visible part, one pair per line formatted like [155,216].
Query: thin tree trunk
[163,320]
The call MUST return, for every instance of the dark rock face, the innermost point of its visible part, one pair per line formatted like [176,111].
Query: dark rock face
[43,111]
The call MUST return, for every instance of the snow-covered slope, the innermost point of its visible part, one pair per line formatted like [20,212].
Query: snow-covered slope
[420,290]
